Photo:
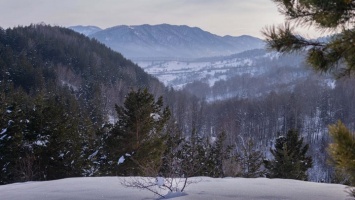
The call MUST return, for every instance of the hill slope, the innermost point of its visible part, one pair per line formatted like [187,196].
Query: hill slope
[57,89]
[38,53]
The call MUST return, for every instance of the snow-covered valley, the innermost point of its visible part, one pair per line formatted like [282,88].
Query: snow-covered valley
[177,73]
[248,74]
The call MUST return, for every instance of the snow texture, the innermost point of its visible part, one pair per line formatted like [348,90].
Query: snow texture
[155,116]
[93,155]
[121,160]
[3,137]
[110,188]
[160,181]
[3,131]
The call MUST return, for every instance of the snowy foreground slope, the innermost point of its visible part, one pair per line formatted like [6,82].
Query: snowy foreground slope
[208,188]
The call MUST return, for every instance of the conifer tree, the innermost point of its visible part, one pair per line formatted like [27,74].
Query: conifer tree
[137,141]
[43,136]
[63,131]
[336,55]
[250,161]
[342,150]
[172,163]
[12,126]
[193,155]
[290,159]
[217,153]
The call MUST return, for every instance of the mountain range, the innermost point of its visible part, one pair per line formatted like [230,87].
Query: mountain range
[168,42]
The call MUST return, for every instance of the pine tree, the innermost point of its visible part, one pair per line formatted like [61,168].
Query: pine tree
[171,162]
[193,155]
[43,136]
[342,150]
[250,161]
[217,153]
[137,137]
[12,127]
[290,160]
[64,131]
[336,55]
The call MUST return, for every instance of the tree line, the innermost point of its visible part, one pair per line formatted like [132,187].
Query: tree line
[50,137]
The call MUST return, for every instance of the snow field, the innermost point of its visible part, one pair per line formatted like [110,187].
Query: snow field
[110,188]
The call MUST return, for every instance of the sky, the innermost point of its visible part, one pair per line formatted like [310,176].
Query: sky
[221,17]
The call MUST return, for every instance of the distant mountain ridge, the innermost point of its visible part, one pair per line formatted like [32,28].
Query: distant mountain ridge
[169,41]
[86,30]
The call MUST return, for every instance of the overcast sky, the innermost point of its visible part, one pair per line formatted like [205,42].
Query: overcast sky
[221,17]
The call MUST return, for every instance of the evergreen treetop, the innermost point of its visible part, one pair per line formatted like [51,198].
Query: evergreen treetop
[290,159]
[138,135]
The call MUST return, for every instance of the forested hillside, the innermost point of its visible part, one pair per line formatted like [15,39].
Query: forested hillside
[34,57]
[57,88]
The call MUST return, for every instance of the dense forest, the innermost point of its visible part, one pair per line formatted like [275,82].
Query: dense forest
[65,100]
[57,89]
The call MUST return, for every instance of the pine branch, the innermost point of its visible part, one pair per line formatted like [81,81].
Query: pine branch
[283,39]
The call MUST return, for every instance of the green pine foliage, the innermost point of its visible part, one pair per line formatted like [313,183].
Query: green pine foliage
[66,131]
[138,136]
[193,155]
[13,122]
[171,162]
[342,151]
[290,159]
[217,153]
[336,55]
[43,137]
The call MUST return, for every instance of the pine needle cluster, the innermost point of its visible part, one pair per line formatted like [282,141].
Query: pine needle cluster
[331,55]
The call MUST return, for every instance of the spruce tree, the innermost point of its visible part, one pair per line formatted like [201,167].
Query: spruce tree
[337,54]
[290,159]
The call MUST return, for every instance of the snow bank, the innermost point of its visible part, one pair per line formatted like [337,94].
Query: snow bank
[110,188]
